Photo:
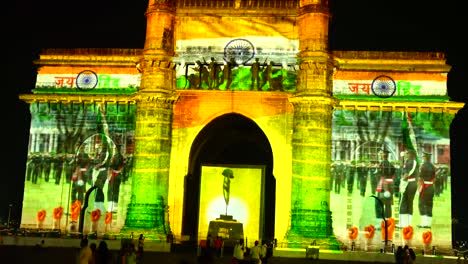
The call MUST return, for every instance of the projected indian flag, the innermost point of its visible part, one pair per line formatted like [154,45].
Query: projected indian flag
[259,59]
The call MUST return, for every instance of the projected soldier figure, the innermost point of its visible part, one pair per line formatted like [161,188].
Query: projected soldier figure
[255,70]
[203,74]
[227,73]
[213,73]
[228,175]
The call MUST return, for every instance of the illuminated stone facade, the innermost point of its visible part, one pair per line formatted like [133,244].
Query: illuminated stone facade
[300,86]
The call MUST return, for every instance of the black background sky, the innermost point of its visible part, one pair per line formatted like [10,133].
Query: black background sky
[398,25]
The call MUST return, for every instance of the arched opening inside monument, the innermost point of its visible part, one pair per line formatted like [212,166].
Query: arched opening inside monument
[231,140]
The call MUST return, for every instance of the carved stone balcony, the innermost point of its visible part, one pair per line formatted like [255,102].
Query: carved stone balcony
[238,4]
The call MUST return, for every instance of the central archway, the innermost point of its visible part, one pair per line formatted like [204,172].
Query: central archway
[228,139]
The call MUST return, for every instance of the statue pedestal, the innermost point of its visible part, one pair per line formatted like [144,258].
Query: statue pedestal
[226,227]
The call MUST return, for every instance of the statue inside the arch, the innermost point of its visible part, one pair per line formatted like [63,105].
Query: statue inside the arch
[228,175]
[226,226]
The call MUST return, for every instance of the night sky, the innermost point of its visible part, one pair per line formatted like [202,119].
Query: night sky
[355,25]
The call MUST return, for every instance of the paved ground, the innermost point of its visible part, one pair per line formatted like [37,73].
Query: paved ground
[52,255]
[20,249]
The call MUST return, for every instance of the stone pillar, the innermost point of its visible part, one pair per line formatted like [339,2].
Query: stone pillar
[311,219]
[147,211]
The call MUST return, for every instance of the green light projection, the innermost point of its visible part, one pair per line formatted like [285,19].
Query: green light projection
[148,206]
[277,78]
[358,138]
[310,213]
[57,131]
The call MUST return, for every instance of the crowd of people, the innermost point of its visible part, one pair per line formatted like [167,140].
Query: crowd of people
[131,252]
[258,254]
[89,253]
[212,249]
[405,255]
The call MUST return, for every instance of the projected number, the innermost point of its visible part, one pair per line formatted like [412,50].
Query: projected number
[241,50]
[86,80]
[383,86]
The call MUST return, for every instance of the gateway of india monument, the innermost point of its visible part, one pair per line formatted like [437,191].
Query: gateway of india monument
[237,120]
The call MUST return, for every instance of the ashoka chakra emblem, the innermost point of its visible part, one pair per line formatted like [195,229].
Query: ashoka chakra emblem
[383,86]
[86,80]
[241,50]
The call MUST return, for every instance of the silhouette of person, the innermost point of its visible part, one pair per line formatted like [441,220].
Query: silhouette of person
[399,255]
[69,167]
[213,73]
[267,75]
[29,167]
[86,253]
[362,172]
[101,171]
[227,72]
[141,243]
[82,162]
[115,178]
[36,161]
[58,161]
[340,173]
[412,256]
[426,192]
[239,251]
[93,247]
[103,254]
[350,175]
[408,187]
[374,175]
[203,74]
[218,244]
[255,71]
[131,254]
[46,166]
[385,187]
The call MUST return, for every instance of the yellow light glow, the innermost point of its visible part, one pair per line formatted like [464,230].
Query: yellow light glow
[244,201]
[236,207]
